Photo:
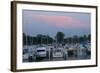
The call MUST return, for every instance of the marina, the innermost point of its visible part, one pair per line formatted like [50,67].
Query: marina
[40,53]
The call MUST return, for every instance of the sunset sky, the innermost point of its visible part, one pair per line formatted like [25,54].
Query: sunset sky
[49,23]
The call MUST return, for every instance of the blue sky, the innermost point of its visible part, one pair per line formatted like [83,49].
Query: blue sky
[49,23]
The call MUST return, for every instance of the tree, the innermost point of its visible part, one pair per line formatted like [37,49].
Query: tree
[44,39]
[49,40]
[24,39]
[60,37]
[89,37]
[81,39]
[39,39]
[75,39]
[29,40]
[69,40]
[85,38]
[34,40]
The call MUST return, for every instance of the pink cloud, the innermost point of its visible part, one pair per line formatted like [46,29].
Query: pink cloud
[61,21]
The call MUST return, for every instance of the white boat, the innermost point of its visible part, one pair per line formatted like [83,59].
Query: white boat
[25,56]
[41,52]
[57,53]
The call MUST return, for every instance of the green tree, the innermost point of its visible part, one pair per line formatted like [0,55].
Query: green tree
[70,40]
[81,39]
[89,37]
[85,38]
[75,39]
[39,39]
[29,40]
[49,40]
[60,37]
[34,40]
[24,39]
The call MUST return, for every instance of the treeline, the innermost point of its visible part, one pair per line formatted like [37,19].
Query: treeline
[34,40]
[59,38]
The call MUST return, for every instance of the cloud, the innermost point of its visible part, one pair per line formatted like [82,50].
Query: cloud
[61,21]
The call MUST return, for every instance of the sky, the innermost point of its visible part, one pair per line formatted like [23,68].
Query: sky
[50,22]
